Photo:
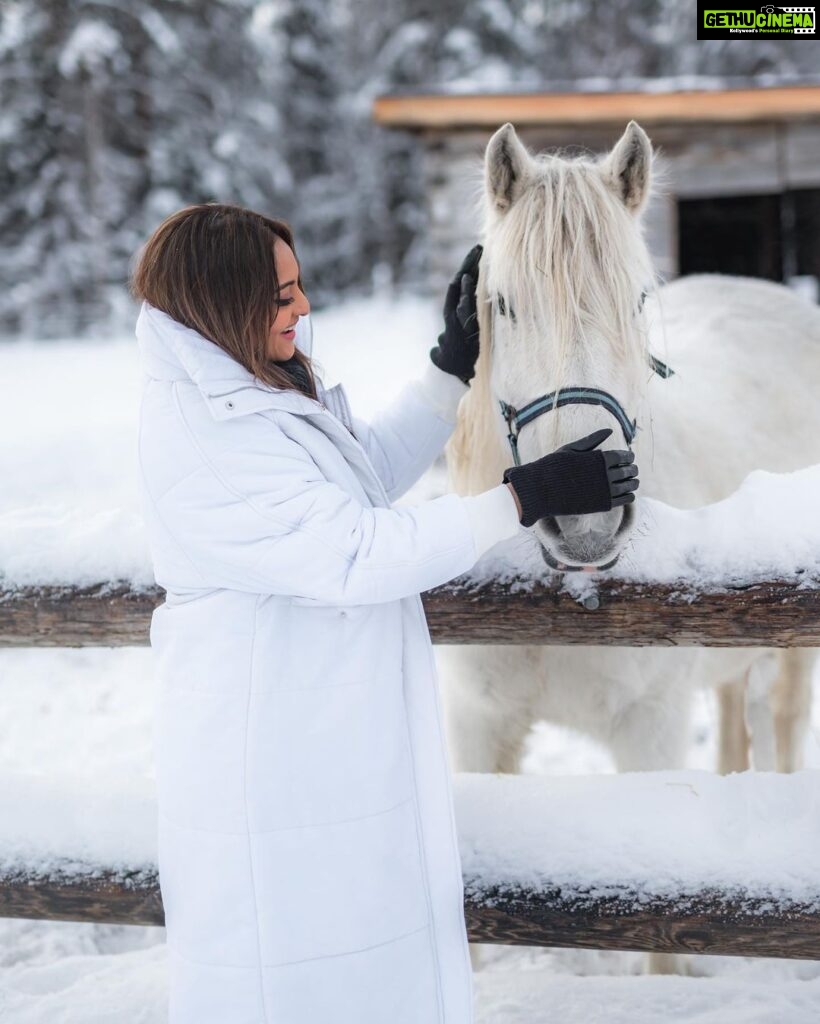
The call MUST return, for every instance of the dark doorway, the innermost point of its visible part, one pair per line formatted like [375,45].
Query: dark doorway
[772,236]
[807,230]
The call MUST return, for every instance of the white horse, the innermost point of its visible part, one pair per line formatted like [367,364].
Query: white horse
[567,298]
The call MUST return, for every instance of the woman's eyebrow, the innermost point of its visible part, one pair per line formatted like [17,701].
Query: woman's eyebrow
[287,284]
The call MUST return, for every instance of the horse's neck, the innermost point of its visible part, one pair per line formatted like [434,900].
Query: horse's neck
[476,452]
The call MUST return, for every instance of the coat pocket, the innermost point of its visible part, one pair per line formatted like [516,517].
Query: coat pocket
[313,602]
[345,612]
[318,645]
[303,643]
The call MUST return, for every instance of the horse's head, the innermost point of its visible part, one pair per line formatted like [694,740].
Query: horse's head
[561,288]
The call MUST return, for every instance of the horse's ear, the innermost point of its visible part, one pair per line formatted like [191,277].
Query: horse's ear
[505,167]
[628,168]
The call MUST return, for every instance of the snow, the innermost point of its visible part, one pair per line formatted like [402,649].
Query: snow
[531,998]
[69,508]
[72,718]
[133,986]
[659,833]
[476,84]
[90,45]
[107,988]
[767,529]
[653,833]
[76,734]
[67,823]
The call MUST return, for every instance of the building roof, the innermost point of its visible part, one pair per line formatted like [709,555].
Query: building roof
[488,110]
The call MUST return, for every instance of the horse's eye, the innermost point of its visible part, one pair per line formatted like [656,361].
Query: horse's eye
[502,308]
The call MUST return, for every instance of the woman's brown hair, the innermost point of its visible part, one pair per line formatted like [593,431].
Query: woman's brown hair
[211,268]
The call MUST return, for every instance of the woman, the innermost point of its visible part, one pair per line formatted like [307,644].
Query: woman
[307,848]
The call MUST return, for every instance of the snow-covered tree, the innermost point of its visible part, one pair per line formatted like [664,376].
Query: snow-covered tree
[114,113]
[299,47]
[73,171]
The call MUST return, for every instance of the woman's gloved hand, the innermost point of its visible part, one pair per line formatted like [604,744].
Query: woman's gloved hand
[457,348]
[575,480]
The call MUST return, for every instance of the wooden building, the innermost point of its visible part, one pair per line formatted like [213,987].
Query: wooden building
[740,168]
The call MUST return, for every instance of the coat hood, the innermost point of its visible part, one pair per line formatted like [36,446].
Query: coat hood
[171,351]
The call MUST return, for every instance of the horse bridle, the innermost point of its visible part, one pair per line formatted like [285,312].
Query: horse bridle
[518,418]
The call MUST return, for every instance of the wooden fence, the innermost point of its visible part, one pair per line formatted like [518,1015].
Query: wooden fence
[772,613]
[554,915]
[768,614]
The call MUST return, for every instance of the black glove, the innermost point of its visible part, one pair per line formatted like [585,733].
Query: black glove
[574,480]
[457,348]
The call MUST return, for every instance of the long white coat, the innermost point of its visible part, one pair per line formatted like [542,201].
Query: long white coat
[308,857]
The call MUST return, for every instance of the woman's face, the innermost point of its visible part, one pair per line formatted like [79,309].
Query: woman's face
[293,303]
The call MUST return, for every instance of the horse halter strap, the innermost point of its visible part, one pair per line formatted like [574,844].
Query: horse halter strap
[518,418]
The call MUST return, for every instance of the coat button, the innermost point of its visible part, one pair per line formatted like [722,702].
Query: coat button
[229,405]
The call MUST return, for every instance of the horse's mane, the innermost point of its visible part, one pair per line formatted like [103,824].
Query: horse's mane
[474,453]
[571,255]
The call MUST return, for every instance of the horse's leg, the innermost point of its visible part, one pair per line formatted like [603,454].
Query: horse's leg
[733,740]
[483,736]
[487,706]
[758,710]
[791,706]
[653,733]
[777,709]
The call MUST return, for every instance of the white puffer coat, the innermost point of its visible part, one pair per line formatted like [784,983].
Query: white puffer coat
[307,848]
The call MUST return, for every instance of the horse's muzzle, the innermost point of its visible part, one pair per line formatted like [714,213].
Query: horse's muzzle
[584,543]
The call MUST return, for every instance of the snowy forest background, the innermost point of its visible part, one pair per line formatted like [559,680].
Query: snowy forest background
[113,114]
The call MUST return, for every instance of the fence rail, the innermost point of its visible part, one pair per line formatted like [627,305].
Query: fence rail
[707,922]
[774,613]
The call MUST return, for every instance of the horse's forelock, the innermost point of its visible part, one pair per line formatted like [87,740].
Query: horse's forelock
[570,255]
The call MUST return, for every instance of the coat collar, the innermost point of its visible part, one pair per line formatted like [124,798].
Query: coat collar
[171,351]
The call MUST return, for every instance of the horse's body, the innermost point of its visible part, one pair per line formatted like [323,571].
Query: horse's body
[563,250]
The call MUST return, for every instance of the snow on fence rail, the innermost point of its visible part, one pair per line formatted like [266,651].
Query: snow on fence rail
[671,861]
[744,571]
[769,613]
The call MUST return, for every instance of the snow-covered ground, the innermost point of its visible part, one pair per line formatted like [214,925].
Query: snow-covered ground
[79,721]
